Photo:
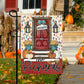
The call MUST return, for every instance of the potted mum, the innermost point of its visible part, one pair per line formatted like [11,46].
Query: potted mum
[28,44]
[27,53]
[54,45]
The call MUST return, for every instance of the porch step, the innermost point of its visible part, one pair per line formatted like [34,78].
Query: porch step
[40,52]
[46,55]
[69,52]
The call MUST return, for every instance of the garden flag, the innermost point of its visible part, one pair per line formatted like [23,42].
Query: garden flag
[41,44]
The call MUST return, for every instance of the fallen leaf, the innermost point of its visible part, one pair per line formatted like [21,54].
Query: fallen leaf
[43,82]
[33,77]
[4,76]
[7,63]
[20,76]
[70,77]
[26,81]
[14,77]
[6,81]
[11,68]
[81,78]
[12,81]
[7,72]
[40,78]
[19,71]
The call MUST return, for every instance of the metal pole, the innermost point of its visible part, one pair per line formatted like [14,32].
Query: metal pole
[66,7]
[16,42]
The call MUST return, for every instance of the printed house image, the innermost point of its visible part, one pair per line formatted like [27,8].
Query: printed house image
[41,35]
[41,42]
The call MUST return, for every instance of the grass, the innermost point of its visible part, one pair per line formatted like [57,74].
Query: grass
[8,74]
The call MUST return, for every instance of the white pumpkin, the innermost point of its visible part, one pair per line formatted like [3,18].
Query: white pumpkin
[29,56]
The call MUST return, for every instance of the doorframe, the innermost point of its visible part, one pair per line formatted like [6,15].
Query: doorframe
[33,32]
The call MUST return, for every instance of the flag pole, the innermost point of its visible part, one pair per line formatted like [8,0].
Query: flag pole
[16,42]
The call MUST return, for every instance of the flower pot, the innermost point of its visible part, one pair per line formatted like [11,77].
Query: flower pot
[54,47]
[28,47]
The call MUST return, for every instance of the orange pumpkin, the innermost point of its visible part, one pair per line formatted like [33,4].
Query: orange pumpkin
[19,51]
[69,19]
[25,52]
[83,60]
[63,27]
[76,8]
[79,51]
[9,54]
[51,55]
[83,47]
[77,56]
[1,56]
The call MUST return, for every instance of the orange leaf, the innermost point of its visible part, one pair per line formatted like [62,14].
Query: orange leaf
[81,78]
[70,77]
[12,81]
[7,72]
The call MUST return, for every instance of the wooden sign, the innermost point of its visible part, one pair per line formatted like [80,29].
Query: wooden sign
[41,49]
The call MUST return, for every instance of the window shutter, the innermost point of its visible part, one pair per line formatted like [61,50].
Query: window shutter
[10,5]
[43,4]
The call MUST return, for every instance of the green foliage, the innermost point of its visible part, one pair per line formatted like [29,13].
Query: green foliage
[83,53]
[77,15]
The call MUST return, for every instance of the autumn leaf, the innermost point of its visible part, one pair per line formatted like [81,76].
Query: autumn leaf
[33,77]
[11,68]
[20,76]
[4,76]
[12,81]
[7,72]
[27,81]
[1,67]
[43,82]
[70,77]
[81,78]
[19,71]
[40,78]
[6,81]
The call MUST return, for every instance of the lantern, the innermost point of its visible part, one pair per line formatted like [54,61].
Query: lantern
[27,28]
[55,28]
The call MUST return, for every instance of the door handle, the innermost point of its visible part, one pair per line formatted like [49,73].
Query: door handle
[41,38]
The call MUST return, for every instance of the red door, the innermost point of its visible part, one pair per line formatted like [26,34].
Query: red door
[41,36]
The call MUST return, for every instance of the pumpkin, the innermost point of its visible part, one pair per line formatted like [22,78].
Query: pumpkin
[77,56]
[83,60]
[63,27]
[9,54]
[25,52]
[1,56]
[51,55]
[69,19]
[19,51]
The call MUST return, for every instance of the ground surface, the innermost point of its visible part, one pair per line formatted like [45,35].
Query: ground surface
[8,74]
[72,74]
